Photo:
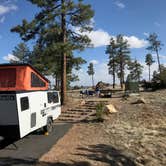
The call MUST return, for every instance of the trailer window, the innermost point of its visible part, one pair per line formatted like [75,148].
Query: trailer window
[36,81]
[49,97]
[7,78]
[53,97]
[24,103]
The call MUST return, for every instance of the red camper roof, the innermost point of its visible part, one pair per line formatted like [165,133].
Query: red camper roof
[18,77]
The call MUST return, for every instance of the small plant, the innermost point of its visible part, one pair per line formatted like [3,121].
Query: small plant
[99,112]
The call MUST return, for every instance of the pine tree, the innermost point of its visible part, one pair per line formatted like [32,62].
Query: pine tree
[91,72]
[54,29]
[155,45]
[149,61]
[22,52]
[136,70]
[111,49]
[123,57]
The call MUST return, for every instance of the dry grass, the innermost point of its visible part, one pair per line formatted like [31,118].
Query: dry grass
[136,135]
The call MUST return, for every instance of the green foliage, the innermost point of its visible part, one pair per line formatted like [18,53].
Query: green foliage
[131,85]
[149,61]
[90,69]
[136,70]
[46,25]
[91,72]
[119,57]
[100,112]
[22,52]
[155,45]
[123,57]
[111,49]
[48,31]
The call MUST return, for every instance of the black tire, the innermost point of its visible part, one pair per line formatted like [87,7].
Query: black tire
[49,127]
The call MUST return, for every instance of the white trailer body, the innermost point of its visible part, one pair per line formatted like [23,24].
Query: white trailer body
[24,112]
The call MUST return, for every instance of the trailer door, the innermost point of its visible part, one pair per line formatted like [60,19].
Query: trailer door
[24,115]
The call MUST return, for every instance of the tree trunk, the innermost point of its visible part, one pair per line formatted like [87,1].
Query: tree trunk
[121,74]
[56,82]
[63,60]
[121,80]
[149,73]
[113,80]
[158,59]
[59,84]
[113,73]
[92,81]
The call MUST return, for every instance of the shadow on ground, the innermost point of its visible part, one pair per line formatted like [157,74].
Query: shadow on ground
[31,162]
[5,142]
[106,154]
[101,152]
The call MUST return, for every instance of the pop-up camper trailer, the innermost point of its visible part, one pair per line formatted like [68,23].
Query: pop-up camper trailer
[26,104]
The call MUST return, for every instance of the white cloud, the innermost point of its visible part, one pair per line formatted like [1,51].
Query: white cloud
[95,62]
[101,38]
[135,42]
[10,57]
[120,4]
[7,8]
[2,19]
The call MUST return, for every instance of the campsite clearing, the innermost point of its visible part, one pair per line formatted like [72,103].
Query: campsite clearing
[135,135]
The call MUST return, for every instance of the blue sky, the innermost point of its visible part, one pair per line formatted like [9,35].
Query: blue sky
[135,19]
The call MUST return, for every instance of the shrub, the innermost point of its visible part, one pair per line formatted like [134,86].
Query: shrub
[100,112]
[131,85]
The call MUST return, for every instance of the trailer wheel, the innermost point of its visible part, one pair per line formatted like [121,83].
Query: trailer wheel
[49,127]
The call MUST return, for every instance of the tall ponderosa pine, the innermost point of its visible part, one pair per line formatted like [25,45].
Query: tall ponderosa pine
[149,61]
[22,52]
[112,64]
[91,72]
[123,57]
[136,70]
[155,45]
[53,29]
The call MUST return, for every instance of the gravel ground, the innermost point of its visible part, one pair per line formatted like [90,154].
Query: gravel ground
[134,136]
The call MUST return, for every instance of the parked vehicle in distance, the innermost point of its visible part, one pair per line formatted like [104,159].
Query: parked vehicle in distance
[105,93]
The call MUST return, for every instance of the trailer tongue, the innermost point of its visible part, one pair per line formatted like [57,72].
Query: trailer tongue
[26,104]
